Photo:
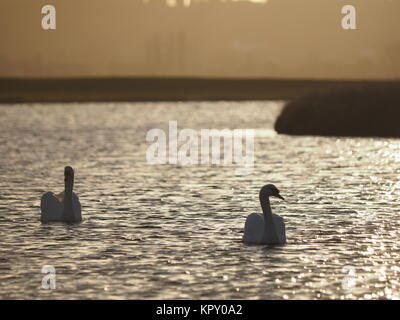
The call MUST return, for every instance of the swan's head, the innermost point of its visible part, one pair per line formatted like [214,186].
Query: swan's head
[270,190]
[68,174]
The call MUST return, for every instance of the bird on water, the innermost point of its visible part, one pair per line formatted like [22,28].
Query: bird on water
[62,207]
[267,228]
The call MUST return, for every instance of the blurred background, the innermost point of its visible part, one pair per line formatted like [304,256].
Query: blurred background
[200,38]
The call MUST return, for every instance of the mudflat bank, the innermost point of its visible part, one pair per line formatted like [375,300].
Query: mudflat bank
[366,110]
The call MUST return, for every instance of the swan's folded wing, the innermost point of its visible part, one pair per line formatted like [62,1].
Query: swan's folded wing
[253,229]
[50,208]
[76,207]
[281,230]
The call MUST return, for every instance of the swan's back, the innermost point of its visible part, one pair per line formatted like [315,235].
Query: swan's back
[255,232]
[52,206]
[76,205]
[253,229]
[280,228]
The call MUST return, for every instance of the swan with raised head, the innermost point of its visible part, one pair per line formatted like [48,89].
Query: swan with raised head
[63,207]
[267,228]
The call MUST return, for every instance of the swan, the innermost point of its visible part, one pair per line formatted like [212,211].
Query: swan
[63,207]
[267,228]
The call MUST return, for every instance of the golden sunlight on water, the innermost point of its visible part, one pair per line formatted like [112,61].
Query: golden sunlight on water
[174,231]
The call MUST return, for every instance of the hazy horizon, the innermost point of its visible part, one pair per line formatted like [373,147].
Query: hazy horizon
[277,39]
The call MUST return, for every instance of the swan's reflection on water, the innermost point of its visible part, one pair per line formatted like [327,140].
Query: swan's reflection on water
[175,231]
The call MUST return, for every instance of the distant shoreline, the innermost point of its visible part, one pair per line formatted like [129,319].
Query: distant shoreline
[16,90]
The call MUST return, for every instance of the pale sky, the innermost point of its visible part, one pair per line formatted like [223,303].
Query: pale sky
[214,38]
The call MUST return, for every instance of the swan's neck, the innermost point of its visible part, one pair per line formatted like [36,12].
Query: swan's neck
[68,213]
[269,228]
[266,207]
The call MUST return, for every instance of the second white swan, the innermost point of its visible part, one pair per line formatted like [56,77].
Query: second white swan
[267,228]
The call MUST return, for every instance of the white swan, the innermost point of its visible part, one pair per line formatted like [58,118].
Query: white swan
[64,207]
[268,228]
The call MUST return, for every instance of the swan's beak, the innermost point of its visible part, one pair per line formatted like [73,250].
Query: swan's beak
[280,197]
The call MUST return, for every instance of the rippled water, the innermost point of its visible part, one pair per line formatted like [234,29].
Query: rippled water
[170,231]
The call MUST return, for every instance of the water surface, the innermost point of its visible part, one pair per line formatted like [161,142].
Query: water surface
[174,232]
